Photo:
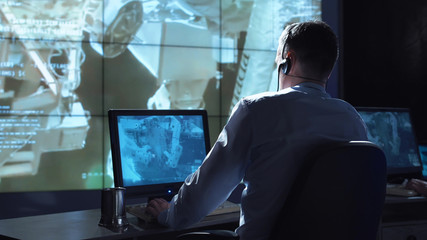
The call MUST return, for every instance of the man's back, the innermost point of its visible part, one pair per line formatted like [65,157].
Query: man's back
[285,128]
[269,135]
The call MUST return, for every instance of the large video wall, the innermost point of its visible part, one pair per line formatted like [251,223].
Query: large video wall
[65,63]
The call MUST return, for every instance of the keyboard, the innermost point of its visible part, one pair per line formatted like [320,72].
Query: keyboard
[139,211]
[400,190]
[225,207]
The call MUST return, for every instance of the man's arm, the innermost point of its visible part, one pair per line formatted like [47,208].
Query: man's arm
[156,206]
[221,171]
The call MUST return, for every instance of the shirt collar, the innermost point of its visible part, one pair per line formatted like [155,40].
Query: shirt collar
[310,87]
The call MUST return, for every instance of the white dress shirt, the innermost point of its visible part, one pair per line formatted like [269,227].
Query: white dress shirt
[264,143]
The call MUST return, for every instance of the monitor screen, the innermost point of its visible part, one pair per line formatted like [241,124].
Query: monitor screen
[392,130]
[155,150]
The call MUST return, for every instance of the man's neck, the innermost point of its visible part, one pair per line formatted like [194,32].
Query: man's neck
[296,80]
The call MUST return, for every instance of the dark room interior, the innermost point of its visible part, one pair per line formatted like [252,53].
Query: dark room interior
[382,64]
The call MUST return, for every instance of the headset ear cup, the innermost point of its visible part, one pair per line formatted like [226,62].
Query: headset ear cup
[286,68]
[283,67]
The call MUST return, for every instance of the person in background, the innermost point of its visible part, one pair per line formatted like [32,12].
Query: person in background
[418,185]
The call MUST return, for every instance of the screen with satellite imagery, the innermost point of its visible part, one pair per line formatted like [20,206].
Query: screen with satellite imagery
[391,129]
[160,149]
[65,63]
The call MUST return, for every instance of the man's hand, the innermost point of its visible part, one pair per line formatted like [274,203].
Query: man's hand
[156,206]
[418,185]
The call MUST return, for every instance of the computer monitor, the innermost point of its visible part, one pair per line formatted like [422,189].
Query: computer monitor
[392,130]
[422,147]
[153,151]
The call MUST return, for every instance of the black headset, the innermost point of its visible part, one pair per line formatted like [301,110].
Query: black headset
[285,66]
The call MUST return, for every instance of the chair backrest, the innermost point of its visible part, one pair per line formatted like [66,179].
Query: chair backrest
[338,195]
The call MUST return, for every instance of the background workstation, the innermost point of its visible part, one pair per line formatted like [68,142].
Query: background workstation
[382,63]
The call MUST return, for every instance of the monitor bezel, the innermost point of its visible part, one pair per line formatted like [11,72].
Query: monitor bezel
[166,190]
[408,172]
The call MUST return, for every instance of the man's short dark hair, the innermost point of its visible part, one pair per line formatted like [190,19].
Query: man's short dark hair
[314,43]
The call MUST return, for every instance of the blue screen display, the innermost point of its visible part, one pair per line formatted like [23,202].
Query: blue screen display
[160,149]
[393,132]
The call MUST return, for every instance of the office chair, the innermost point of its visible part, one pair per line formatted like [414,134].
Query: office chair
[339,194]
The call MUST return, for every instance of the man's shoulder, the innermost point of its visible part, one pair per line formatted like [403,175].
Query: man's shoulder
[269,96]
[292,99]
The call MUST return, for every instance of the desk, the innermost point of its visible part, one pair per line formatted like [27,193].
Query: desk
[404,218]
[84,225]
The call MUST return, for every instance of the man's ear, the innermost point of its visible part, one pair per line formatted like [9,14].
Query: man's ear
[291,55]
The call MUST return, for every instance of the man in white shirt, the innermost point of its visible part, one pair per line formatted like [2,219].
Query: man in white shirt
[268,136]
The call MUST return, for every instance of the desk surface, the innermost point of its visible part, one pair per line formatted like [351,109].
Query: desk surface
[84,225]
[399,199]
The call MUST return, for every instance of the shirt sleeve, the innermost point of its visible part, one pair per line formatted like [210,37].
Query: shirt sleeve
[221,171]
